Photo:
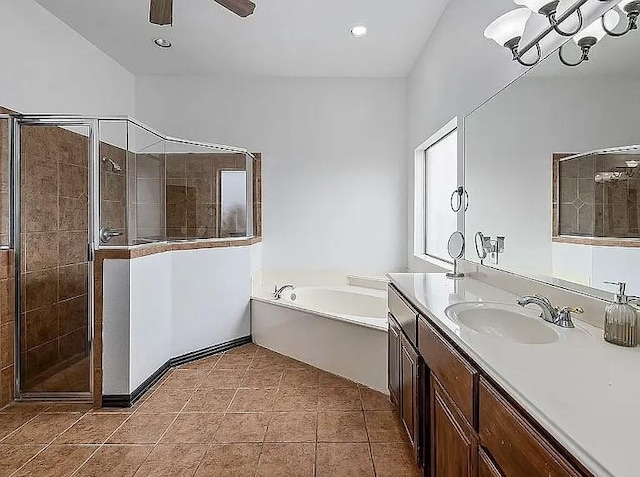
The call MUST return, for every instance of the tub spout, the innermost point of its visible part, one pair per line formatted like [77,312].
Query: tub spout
[277,292]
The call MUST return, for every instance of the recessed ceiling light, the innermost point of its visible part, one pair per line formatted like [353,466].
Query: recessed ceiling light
[162,43]
[359,31]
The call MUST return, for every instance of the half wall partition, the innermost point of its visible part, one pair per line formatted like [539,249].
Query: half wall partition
[71,186]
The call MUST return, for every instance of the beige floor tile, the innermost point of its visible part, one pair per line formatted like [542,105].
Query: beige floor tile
[204,364]
[230,460]
[384,426]
[253,400]
[374,400]
[341,426]
[245,427]
[288,460]
[196,428]
[334,381]
[224,378]
[115,461]
[56,461]
[339,399]
[185,379]
[10,421]
[292,427]
[42,429]
[297,377]
[12,457]
[92,429]
[296,399]
[344,460]
[176,460]
[142,429]
[245,350]
[210,400]
[261,378]
[393,460]
[230,361]
[166,400]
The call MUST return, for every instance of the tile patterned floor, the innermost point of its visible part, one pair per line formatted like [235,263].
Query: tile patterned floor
[246,412]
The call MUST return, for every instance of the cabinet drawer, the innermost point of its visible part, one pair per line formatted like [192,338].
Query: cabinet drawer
[404,314]
[457,376]
[514,444]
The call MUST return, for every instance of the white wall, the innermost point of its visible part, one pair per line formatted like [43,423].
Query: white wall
[49,68]
[162,306]
[334,172]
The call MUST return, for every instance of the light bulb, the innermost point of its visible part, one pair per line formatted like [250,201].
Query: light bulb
[509,26]
[534,5]
[595,30]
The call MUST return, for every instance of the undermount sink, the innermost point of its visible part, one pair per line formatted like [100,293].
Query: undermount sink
[504,321]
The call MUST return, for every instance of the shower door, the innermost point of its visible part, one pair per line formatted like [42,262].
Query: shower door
[53,245]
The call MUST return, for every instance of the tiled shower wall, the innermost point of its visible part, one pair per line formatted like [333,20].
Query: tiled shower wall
[54,246]
[591,209]
[193,193]
[113,191]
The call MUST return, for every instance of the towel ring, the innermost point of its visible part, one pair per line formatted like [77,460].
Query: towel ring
[461,196]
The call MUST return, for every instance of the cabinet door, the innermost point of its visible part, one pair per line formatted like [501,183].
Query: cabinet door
[486,467]
[409,391]
[394,361]
[454,445]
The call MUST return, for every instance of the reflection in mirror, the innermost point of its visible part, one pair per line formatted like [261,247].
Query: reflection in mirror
[455,248]
[550,163]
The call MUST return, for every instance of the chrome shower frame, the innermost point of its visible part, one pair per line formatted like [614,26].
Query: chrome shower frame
[16,121]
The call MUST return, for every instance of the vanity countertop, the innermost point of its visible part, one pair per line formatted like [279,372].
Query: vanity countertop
[583,390]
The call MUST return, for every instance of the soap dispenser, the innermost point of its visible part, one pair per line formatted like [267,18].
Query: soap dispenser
[621,319]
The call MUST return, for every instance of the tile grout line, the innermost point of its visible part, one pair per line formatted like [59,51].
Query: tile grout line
[100,446]
[46,446]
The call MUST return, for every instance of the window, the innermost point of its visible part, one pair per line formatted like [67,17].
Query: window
[234,204]
[441,171]
[436,178]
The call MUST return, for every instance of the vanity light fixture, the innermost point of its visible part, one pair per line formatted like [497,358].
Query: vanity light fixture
[591,35]
[550,10]
[508,29]
[162,43]
[359,31]
[632,9]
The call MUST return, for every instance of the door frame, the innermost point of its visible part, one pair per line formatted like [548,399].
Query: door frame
[16,244]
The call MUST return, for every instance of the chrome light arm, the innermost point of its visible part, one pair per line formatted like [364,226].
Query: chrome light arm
[633,11]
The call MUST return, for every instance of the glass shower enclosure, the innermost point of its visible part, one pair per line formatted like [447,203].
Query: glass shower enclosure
[72,185]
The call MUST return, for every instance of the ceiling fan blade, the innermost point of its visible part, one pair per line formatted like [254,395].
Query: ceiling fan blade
[161,12]
[243,8]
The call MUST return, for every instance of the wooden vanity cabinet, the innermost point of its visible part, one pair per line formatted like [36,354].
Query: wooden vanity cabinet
[514,443]
[394,360]
[404,367]
[460,423]
[454,444]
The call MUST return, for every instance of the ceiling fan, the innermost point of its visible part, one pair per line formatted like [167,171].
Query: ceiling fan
[161,11]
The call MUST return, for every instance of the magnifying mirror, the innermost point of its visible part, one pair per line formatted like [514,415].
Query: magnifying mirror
[455,247]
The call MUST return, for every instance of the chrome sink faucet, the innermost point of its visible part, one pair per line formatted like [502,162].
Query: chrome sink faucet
[557,316]
[277,292]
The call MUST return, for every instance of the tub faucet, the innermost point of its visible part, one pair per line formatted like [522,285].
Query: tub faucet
[559,317]
[277,292]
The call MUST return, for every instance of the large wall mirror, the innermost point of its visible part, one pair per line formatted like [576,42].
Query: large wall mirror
[551,165]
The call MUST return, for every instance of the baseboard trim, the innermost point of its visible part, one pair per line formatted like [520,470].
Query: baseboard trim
[128,400]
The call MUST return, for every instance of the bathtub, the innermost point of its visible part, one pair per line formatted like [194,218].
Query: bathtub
[338,328]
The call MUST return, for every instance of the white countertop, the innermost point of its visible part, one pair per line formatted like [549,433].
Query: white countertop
[584,391]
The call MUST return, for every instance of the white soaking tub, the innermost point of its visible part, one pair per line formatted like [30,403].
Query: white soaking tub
[339,328]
